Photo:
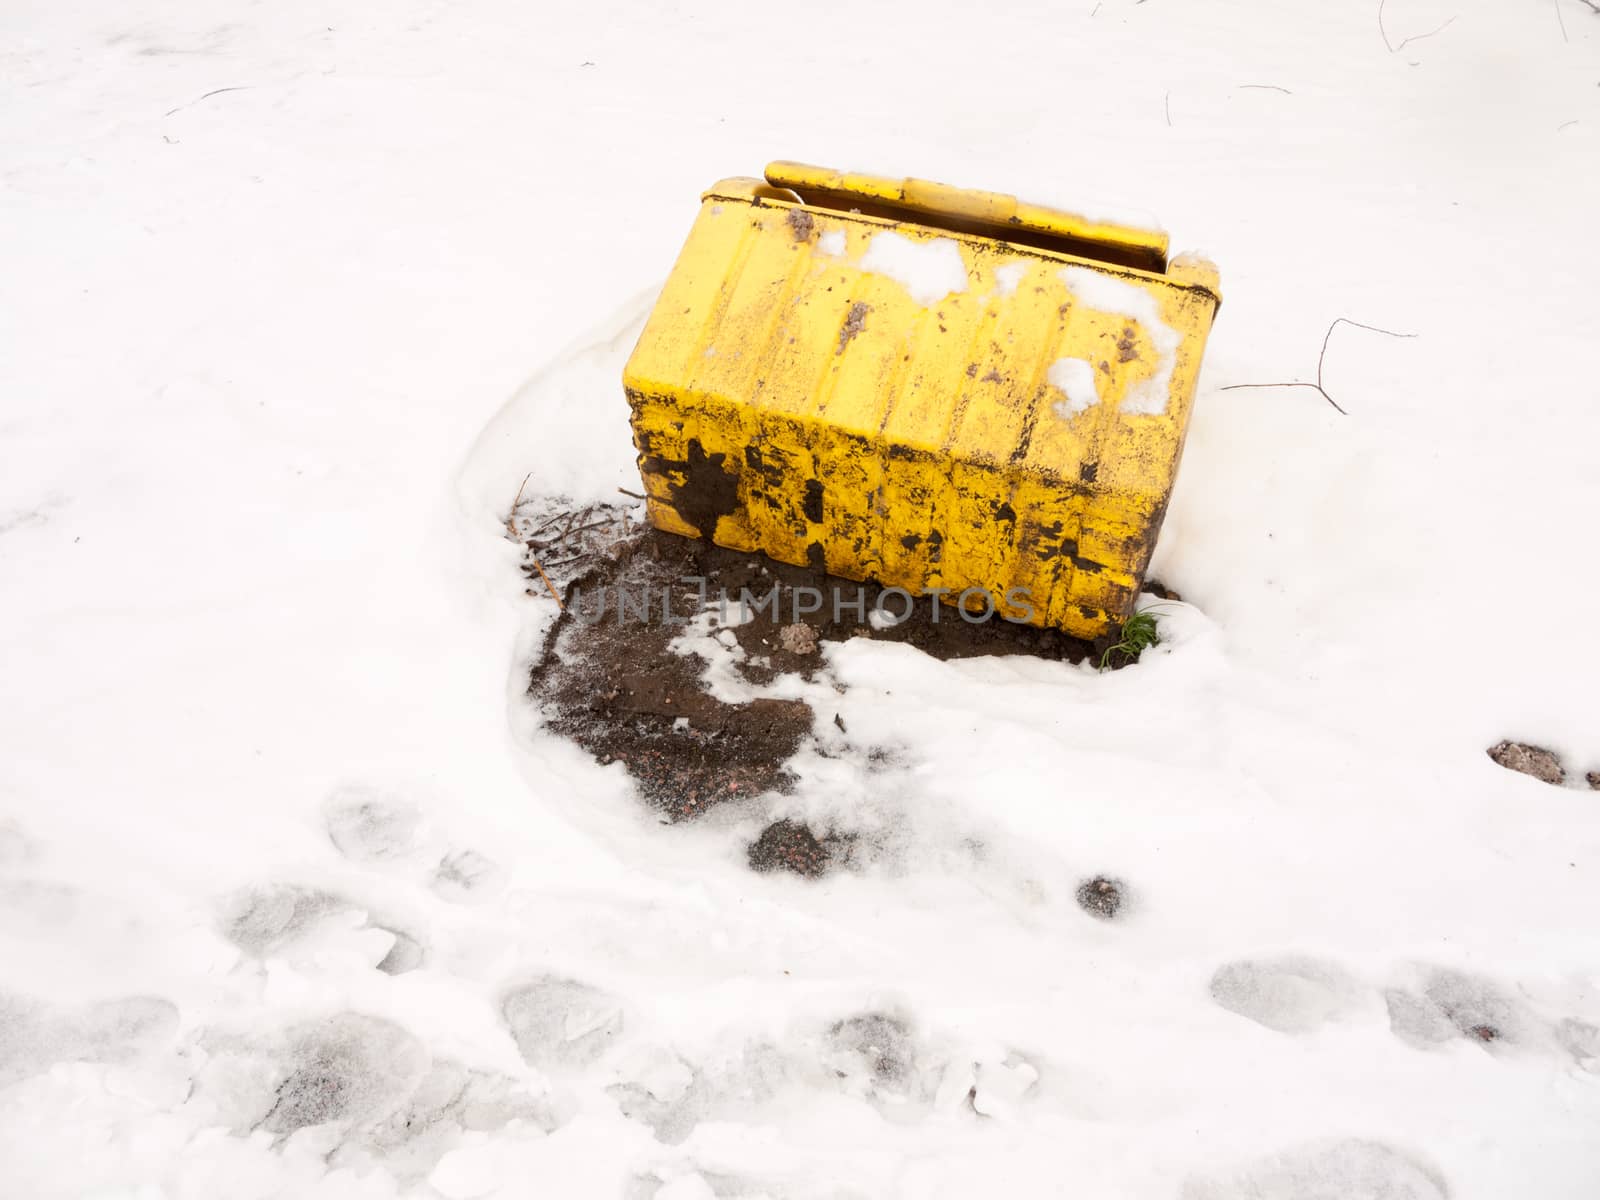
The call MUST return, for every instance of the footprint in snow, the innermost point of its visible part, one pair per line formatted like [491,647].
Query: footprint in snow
[344,1070]
[366,825]
[561,1023]
[1454,1004]
[658,1088]
[467,877]
[992,1087]
[1581,1039]
[363,1088]
[265,920]
[876,1055]
[275,919]
[1290,994]
[1348,1169]
[35,1036]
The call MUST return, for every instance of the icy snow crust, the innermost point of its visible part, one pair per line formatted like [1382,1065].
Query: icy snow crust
[298,899]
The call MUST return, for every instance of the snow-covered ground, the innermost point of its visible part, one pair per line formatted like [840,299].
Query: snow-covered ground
[293,890]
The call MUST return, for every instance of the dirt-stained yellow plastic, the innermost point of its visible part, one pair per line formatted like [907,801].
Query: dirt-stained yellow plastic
[930,387]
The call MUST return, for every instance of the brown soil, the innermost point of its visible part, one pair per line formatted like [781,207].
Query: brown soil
[789,846]
[606,679]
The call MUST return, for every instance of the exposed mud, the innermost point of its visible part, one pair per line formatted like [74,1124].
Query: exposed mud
[610,679]
[790,846]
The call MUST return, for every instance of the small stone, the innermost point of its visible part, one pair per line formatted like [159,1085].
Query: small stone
[1542,764]
[798,638]
[1100,897]
[1594,780]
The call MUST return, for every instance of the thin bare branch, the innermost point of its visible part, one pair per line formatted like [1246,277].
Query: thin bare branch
[243,87]
[1234,387]
[1266,87]
[562,538]
[1417,37]
[1395,48]
[1321,359]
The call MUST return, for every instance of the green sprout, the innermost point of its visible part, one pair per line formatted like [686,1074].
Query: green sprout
[1138,635]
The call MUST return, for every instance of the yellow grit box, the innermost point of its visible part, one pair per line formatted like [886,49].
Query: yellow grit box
[927,386]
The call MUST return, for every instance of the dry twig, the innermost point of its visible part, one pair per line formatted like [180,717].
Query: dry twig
[1395,48]
[554,595]
[243,87]
[562,537]
[511,517]
[1317,386]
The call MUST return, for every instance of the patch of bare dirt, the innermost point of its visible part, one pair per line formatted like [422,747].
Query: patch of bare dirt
[791,846]
[607,679]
